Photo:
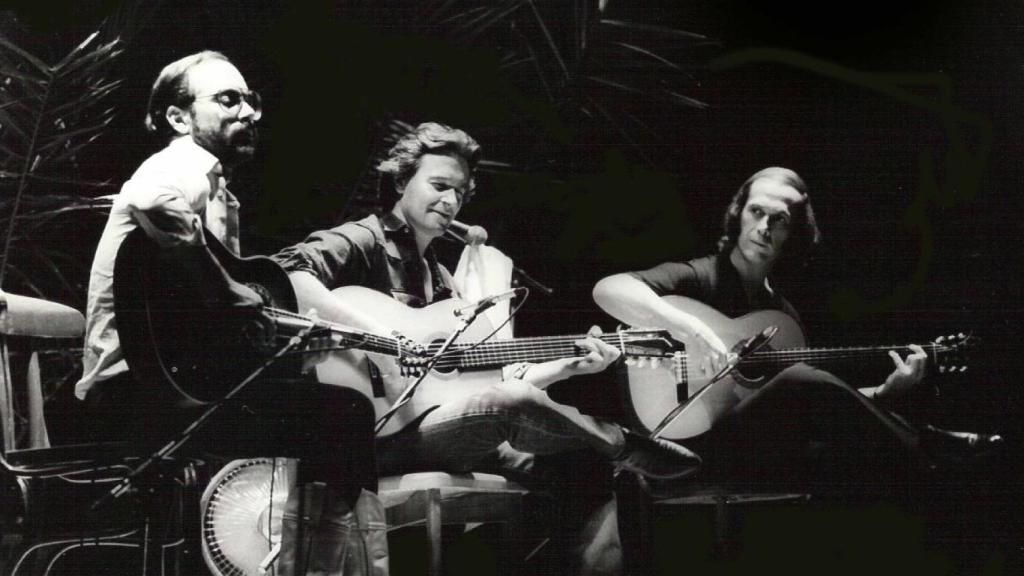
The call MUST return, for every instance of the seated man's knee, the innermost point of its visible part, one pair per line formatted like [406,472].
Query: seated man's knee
[805,377]
[509,396]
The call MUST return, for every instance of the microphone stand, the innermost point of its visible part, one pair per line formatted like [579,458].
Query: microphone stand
[524,277]
[174,445]
[751,345]
[521,276]
[406,395]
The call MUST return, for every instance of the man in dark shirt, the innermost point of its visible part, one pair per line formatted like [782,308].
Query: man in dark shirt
[503,425]
[764,439]
[432,168]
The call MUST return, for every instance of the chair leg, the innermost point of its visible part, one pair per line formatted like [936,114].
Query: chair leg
[515,537]
[636,525]
[434,530]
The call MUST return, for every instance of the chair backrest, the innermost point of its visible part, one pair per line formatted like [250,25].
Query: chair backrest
[24,316]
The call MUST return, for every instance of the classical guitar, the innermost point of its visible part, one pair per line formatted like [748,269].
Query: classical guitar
[653,393]
[469,364]
[187,354]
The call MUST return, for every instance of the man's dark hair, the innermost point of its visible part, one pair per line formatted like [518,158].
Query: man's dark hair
[804,234]
[171,89]
[430,138]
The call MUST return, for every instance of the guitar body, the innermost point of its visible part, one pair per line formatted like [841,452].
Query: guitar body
[182,352]
[653,391]
[351,368]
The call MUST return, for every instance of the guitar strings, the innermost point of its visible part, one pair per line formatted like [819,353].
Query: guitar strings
[542,348]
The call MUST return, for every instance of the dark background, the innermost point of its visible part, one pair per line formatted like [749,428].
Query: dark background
[906,128]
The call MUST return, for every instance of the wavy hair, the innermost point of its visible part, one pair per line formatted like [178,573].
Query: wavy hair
[429,138]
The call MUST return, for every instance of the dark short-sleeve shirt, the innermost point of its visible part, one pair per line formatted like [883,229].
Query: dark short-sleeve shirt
[714,281]
[377,252]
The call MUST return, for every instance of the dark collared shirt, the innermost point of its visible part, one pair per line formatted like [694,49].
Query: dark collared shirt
[377,252]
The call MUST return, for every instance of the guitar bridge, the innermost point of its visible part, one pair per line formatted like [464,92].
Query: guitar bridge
[376,380]
[679,371]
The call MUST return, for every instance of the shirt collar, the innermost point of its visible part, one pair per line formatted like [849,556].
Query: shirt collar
[391,223]
[194,154]
[394,226]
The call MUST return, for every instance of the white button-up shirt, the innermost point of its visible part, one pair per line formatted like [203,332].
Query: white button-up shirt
[172,195]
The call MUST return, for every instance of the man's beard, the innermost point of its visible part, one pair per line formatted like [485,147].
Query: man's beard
[238,147]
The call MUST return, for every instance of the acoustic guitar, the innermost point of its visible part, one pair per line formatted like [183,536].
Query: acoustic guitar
[654,393]
[185,354]
[470,365]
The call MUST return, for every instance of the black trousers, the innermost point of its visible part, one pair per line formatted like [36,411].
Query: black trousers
[328,428]
[805,430]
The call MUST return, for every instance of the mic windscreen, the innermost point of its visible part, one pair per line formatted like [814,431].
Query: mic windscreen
[476,235]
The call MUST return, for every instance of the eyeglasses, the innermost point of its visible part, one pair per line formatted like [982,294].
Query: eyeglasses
[231,101]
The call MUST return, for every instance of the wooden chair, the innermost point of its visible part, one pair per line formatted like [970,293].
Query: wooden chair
[434,499]
[54,526]
[242,506]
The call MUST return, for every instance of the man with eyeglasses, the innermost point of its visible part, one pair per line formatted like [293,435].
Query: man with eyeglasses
[201,107]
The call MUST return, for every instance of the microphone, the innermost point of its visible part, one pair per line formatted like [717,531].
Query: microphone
[755,342]
[744,349]
[474,309]
[466,234]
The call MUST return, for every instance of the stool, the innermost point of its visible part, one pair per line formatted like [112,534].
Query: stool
[639,513]
[438,498]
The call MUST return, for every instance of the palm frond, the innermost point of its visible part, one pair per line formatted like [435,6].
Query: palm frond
[48,114]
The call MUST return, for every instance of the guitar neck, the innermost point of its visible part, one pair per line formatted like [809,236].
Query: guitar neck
[350,337]
[821,356]
[497,353]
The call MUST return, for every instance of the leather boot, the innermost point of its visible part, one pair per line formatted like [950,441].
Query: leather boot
[297,528]
[368,542]
[322,536]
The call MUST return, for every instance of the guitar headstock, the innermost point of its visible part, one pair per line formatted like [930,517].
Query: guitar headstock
[413,357]
[950,352]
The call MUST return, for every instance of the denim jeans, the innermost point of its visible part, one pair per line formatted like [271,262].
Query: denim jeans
[460,435]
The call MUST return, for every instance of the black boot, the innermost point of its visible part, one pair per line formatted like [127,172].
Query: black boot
[951,447]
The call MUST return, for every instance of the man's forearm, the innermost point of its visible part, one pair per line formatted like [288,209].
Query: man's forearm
[312,294]
[629,300]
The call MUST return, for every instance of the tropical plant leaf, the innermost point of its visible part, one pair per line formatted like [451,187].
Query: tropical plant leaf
[653,28]
[49,114]
[660,59]
[26,56]
[12,72]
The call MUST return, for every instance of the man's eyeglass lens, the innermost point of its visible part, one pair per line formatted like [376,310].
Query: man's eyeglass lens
[231,100]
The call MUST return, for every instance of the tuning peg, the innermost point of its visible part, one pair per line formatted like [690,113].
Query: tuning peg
[963,369]
[631,361]
[940,339]
[655,362]
[942,369]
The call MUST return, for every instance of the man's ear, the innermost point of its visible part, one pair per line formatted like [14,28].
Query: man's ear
[400,189]
[179,120]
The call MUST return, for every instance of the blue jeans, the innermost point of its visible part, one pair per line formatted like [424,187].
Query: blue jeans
[460,435]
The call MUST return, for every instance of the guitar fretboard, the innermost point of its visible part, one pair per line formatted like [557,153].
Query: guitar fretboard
[496,353]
